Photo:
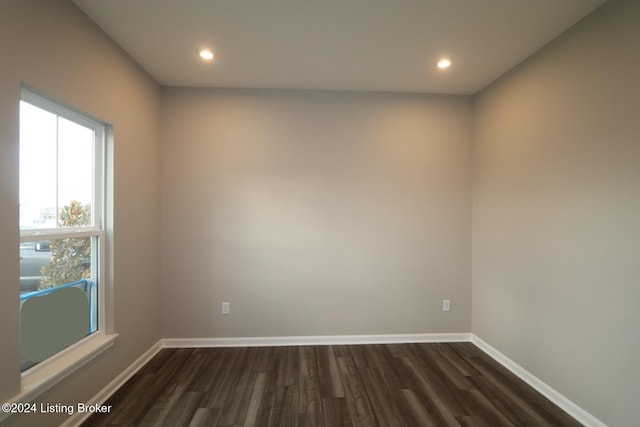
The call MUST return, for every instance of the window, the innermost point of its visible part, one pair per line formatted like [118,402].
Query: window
[61,227]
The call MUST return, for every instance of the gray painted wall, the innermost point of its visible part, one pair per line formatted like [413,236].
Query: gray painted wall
[556,214]
[54,47]
[314,213]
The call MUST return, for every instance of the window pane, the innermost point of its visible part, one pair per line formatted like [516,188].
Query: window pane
[38,169]
[58,295]
[57,170]
[75,173]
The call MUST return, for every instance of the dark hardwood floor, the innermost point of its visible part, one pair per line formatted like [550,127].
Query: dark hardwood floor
[361,385]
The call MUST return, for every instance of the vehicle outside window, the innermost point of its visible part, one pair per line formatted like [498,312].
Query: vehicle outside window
[33,257]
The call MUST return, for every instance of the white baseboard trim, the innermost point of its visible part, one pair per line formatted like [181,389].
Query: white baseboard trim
[558,399]
[104,394]
[543,388]
[314,340]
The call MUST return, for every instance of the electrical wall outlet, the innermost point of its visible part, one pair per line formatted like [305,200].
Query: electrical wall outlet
[226,307]
[446,305]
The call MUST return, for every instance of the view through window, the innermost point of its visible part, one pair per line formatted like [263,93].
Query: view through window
[61,229]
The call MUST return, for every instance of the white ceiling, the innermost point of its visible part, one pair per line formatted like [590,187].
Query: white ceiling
[377,45]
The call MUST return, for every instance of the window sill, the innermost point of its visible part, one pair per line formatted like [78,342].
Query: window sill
[46,374]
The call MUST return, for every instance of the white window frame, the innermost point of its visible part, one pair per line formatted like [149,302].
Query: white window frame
[39,378]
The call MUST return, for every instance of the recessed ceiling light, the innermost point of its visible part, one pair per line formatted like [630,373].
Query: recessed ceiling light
[206,54]
[444,63]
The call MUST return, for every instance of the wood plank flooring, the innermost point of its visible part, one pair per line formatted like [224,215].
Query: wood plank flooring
[453,384]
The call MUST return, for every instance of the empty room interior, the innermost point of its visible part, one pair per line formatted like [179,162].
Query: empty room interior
[302,186]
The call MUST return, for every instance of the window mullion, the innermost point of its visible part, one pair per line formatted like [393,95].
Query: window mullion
[60,235]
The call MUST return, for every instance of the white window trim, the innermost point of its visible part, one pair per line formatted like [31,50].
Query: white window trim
[49,372]
[44,375]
